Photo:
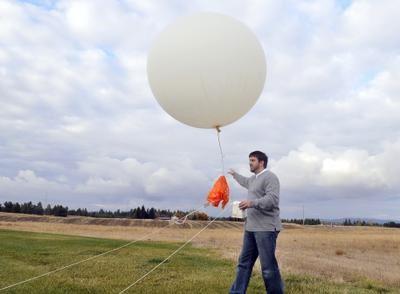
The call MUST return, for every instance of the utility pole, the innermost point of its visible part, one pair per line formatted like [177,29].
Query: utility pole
[303,215]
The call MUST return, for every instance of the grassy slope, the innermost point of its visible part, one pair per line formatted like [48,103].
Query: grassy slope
[194,270]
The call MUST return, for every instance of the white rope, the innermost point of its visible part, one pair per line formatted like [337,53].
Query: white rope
[87,259]
[72,264]
[172,254]
[216,127]
[220,149]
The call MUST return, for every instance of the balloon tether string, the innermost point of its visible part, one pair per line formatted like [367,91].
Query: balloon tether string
[220,149]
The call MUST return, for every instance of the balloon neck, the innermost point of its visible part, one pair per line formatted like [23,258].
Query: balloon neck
[218,129]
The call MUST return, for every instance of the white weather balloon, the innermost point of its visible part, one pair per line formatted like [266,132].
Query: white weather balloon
[206,70]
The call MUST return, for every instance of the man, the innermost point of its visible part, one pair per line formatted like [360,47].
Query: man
[262,226]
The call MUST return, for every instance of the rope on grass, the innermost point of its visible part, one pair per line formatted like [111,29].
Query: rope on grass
[172,254]
[90,258]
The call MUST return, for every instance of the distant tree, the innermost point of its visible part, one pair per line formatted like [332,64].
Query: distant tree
[137,213]
[179,213]
[152,213]
[59,210]
[312,221]
[143,213]
[200,216]
[38,209]
[392,224]
[48,210]
[307,221]
[27,207]
[8,206]
[16,207]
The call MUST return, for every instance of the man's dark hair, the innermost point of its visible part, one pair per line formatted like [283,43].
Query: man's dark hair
[261,156]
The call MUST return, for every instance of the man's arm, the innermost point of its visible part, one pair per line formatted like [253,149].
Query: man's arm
[271,197]
[243,181]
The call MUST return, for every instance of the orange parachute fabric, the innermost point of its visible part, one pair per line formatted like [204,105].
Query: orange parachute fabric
[219,193]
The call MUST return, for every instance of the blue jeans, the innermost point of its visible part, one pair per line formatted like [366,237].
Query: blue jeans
[258,244]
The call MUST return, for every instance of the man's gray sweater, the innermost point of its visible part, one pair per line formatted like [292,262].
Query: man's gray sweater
[263,191]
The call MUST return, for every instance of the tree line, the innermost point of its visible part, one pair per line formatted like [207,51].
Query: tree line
[307,221]
[349,222]
[63,211]
[392,225]
[358,222]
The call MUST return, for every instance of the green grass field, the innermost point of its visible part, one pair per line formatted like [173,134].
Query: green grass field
[192,270]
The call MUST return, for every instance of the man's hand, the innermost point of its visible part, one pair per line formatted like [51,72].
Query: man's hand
[245,204]
[231,172]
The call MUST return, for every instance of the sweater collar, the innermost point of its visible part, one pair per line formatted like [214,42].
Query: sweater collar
[261,172]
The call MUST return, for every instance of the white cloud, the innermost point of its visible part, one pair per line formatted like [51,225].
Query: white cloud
[26,186]
[372,25]
[182,177]
[350,173]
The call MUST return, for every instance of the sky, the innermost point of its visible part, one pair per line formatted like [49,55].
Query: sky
[79,125]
